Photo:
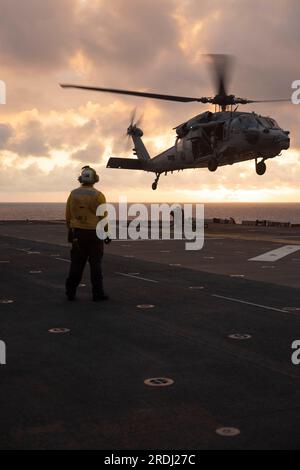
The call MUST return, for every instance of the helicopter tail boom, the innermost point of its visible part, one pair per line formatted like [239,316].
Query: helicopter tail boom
[139,147]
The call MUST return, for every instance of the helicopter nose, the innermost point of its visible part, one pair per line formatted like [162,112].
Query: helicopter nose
[285,142]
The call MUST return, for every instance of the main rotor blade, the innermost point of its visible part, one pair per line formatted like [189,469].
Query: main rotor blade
[268,101]
[182,99]
[221,65]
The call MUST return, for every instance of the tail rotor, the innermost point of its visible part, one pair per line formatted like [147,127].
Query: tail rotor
[133,128]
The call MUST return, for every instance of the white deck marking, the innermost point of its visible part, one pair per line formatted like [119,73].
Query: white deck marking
[63,259]
[248,303]
[137,277]
[277,254]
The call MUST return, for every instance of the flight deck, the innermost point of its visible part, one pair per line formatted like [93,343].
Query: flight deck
[214,328]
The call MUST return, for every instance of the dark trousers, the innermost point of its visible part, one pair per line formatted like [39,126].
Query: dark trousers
[86,246]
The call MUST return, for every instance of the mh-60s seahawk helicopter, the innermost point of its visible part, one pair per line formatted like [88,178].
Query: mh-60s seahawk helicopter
[210,139]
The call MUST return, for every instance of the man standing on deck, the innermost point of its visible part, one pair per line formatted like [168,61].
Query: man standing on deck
[81,221]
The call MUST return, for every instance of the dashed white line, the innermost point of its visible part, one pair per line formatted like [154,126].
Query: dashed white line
[137,277]
[63,259]
[248,303]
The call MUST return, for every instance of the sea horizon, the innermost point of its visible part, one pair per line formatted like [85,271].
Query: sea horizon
[239,211]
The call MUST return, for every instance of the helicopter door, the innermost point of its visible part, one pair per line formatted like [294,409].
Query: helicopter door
[212,135]
[219,131]
[200,147]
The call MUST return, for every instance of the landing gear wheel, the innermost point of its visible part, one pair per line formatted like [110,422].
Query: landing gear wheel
[261,168]
[154,184]
[212,164]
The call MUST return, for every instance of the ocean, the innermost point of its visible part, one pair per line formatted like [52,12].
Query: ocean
[281,212]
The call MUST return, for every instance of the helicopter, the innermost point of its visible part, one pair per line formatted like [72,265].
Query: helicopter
[210,139]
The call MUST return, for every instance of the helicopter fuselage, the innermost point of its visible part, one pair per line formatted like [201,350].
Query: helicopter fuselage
[224,138]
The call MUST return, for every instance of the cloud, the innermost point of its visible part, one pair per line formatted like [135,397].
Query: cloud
[5,134]
[29,140]
[130,34]
[89,154]
[35,34]
[47,132]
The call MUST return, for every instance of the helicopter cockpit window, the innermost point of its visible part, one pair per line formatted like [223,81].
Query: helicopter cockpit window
[179,145]
[236,124]
[273,124]
[243,122]
[264,122]
[268,122]
[248,122]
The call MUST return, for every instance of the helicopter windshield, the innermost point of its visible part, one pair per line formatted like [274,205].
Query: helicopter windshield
[244,122]
[270,123]
[248,122]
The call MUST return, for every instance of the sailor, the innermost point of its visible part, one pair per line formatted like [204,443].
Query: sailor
[81,221]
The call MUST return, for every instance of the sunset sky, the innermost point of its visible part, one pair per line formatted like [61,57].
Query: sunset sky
[47,133]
